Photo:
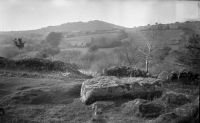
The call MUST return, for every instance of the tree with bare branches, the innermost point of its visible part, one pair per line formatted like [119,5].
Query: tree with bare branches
[147,52]
[148,48]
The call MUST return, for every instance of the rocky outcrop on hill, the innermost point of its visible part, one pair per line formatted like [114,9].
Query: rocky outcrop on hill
[110,88]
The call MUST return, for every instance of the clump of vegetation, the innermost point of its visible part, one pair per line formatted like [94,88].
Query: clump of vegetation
[125,71]
[36,64]
[19,43]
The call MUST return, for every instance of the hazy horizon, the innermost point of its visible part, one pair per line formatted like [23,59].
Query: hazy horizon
[34,14]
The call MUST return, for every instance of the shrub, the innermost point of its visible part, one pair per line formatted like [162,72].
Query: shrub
[124,71]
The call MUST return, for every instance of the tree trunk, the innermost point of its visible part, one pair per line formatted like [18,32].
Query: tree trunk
[147,65]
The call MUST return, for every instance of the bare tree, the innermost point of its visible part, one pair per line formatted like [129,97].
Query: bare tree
[147,54]
[149,48]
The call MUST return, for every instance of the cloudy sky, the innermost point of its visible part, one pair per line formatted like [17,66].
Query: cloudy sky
[33,14]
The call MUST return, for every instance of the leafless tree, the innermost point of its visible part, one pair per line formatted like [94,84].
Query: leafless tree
[149,48]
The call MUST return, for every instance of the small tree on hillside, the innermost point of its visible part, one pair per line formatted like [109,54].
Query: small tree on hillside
[190,58]
[54,39]
[19,43]
[147,52]
[149,47]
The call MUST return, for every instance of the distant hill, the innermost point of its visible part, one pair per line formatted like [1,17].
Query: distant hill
[72,27]
[81,26]
[90,26]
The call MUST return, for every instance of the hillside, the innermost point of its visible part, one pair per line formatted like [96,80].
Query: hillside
[79,37]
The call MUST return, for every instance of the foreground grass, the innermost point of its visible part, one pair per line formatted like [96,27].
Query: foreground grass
[46,100]
[42,100]
[74,112]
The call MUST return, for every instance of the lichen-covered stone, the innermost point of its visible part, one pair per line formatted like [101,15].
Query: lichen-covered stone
[110,88]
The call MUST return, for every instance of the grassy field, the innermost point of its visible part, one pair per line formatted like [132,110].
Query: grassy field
[48,100]
[42,100]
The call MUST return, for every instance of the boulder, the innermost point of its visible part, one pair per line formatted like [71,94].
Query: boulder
[150,110]
[163,75]
[175,98]
[143,108]
[110,87]
[130,107]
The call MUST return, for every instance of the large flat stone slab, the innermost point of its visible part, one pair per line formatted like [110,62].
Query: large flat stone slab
[111,88]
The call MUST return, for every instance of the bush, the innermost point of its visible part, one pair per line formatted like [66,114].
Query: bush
[185,77]
[124,71]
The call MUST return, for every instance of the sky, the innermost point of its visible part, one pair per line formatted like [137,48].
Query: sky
[34,14]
